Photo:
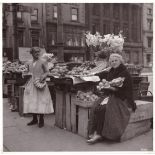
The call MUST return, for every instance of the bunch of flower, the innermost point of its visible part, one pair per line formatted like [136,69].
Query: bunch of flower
[93,40]
[48,56]
[118,82]
[107,43]
[50,59]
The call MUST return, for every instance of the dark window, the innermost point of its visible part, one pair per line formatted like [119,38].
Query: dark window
[20,39]
[116,28]
[149,23]
[135,57]
[34,15]
[106,27]
[126,31]
[127,56]
[35,38]
[134,14]
[96,9]
[134,33]
[55,12]
[74,14]
[106,10]
[149,11]
[116,12]
[125,12]
[149,39]
[4,38]
[148,58]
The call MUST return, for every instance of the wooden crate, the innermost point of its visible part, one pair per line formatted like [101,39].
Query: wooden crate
[21,103]
[59,109]
[82,115]
[65,114]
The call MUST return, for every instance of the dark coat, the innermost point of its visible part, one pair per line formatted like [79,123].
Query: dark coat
[124,92]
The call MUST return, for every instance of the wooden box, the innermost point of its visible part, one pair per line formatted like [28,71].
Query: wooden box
[21,95]
[65,114]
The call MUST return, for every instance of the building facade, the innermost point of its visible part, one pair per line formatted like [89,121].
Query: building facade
[23,27]
[148,36]
[113,17]
[65,26]
[60,27]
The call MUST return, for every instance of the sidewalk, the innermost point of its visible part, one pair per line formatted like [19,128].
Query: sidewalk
[17,137]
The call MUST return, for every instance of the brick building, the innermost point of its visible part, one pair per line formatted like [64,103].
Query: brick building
[59,27]
[148,36]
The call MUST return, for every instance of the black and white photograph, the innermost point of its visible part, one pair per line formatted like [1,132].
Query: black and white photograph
[77,76]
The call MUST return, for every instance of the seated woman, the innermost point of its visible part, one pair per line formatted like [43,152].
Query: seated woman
[110,115]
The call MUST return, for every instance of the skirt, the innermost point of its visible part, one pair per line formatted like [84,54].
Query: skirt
[37,100]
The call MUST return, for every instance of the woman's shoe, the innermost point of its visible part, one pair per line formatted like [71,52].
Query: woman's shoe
[41,124]
[95,139]
[33,122]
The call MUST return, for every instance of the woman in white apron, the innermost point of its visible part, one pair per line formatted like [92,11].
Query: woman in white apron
[37,98]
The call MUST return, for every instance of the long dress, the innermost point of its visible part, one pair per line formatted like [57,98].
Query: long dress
[37,100]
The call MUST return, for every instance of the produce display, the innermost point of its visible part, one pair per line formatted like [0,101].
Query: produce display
[118,82]
[14,67]
[87,96]
[83,69]
[59,70]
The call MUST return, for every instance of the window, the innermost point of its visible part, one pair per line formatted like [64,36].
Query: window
[19,16]
[116,28]
[127,56]
[125,12]
[149,40]
[106,10]
[116,12]
[35,38]
[148,59]
[134,14]
[74,14]
[34,15]
[149,11]
[55,12]
[134,33]
[149,24]
[126,31]
[96,9]
[20,38]
[4,38]
[135,57]
[106,27]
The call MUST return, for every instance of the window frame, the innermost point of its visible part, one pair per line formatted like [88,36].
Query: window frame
[55,12]
[34,15]
[74,14]
[32,37]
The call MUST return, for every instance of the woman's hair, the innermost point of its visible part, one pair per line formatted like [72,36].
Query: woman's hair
[118,56]
[35,49]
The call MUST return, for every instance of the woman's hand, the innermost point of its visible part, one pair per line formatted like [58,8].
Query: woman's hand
[43,77]
[111,88]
